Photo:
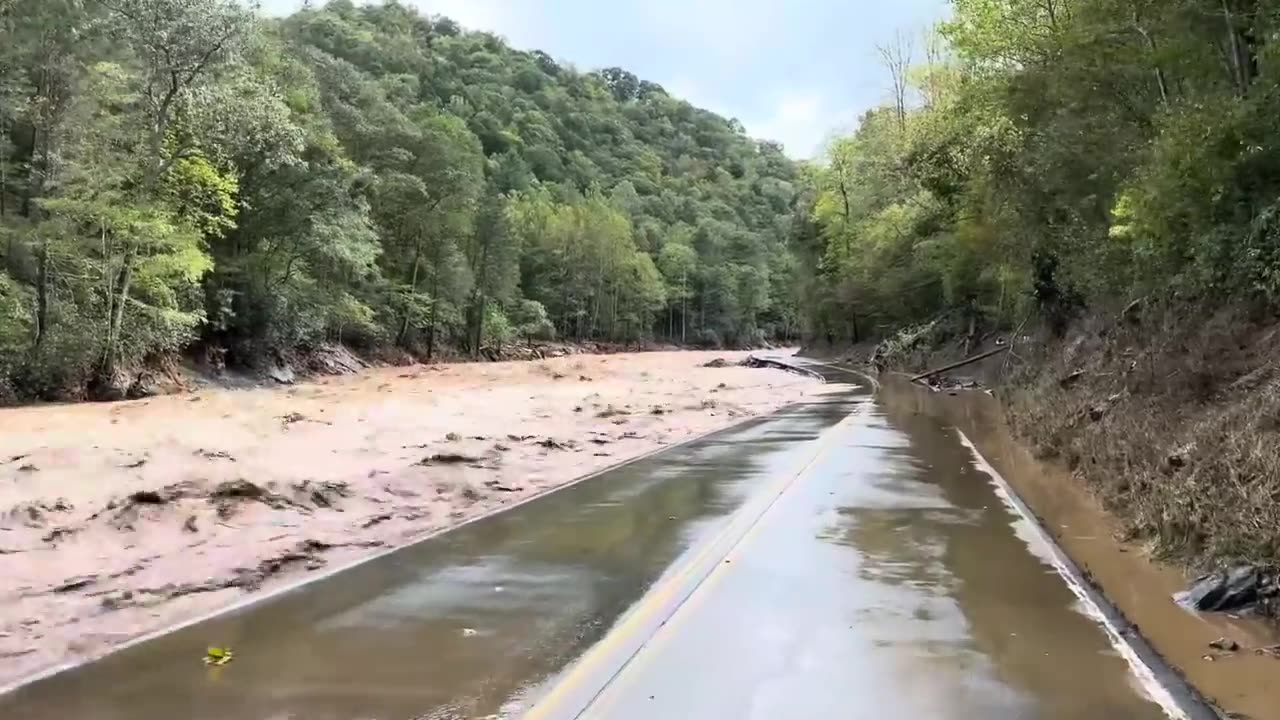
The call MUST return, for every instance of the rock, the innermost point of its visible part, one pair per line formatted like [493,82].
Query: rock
[1224,591]
[190,525]
[1225,644]
[143,387]
[453,437]
[282,374]
[717,363]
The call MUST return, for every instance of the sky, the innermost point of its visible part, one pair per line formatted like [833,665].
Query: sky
[794,71]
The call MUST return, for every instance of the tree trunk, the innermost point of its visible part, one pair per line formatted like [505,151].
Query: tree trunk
[684,309]
[117,318]
[435,304]
[1238,61]
[42,292]
[413,288]
[853,318]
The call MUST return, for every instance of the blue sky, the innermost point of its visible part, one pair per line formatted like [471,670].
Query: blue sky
[790,70]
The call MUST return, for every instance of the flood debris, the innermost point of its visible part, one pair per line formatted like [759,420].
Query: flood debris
[375,520]
[75,583]
[1237,589]
[449,458]
[1225,644]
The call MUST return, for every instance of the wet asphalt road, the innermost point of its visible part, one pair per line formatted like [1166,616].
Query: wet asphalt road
[838,559]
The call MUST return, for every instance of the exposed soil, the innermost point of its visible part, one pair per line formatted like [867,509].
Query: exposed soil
[117,520]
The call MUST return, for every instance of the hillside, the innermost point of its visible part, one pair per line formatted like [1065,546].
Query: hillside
[183,174]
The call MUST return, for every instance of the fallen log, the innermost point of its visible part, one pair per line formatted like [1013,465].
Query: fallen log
[960,364]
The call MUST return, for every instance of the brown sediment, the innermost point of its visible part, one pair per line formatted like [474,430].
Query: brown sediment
[252,489]
[1139,586]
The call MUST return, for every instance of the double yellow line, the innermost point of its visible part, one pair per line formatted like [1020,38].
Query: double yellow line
[607,659]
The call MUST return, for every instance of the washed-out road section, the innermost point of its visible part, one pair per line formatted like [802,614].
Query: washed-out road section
[835,559]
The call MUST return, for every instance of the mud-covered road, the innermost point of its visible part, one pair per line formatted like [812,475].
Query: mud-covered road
[841,558]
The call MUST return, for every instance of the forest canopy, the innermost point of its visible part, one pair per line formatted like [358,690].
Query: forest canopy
[182,173]
[1042,159]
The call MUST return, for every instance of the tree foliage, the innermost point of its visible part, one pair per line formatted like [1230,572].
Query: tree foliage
[1056,154]
[181,172]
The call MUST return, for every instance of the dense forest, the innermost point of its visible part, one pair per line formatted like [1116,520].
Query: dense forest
[1043,157]
[179,174]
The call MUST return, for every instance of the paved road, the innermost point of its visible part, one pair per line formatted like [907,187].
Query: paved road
[838,559]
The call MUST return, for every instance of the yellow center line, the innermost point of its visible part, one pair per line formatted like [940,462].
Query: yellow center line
[665,598]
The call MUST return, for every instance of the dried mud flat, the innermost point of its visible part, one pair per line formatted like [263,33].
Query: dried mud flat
[118,520]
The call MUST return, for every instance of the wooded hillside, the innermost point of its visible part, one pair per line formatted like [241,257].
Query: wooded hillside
[175,172]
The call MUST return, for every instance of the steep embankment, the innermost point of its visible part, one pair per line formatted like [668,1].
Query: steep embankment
[1173,423]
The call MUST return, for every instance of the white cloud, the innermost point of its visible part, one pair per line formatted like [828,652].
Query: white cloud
[801,121]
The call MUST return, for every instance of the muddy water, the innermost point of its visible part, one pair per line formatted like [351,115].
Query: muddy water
[1140,587]
[454,627]
[846,558]
[889,581]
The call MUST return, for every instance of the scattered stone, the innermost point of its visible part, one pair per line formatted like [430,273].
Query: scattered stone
[519,438]
[291,418]
[501,448]
[499,487]
[190,525]
[584,378]
[553,444]
[453,437]
[28,468]
[16,458]
[611,411]
[282,374]
[658,410]
[136,464]
[469,632]
[717,363]
[215,455]
[76,583]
